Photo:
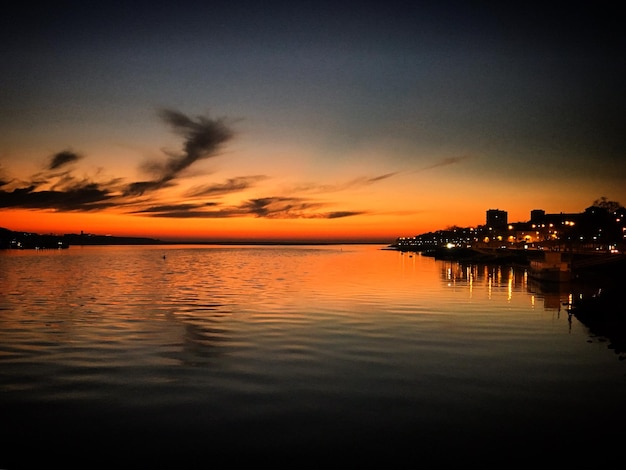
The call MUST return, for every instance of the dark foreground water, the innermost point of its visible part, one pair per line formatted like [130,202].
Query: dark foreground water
[199,356]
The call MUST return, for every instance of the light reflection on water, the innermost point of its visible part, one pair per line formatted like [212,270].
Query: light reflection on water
[276,348]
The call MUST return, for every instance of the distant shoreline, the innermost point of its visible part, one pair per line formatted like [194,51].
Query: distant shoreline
[10,239]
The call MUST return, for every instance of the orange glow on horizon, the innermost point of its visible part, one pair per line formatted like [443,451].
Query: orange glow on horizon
[382,227]
[244,228]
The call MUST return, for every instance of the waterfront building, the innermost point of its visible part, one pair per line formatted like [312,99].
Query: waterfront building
[596,229]
[497,219]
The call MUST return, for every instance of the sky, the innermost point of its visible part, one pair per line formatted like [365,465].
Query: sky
[220,121]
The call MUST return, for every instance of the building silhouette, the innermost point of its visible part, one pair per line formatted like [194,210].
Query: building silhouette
[596,229]
[496,219]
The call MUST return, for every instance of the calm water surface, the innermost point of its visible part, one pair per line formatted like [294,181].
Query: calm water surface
[199,353]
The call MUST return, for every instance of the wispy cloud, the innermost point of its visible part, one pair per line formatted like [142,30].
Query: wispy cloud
[445,162]
[63,158]
[275,207]
[342,186]
[280,207]
[203,137]
[292,208]
[237,184]
[57,188]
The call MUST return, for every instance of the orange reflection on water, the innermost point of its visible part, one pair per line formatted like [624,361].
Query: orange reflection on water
[116,293]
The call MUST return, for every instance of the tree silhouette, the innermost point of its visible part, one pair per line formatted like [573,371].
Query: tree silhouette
[604,203]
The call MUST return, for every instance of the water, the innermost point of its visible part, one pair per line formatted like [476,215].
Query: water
[192,354]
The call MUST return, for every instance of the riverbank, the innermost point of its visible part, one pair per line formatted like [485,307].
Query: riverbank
[478,255]
[584,266]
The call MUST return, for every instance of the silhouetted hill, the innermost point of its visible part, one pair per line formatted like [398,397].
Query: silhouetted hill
[89,239]
[10,239]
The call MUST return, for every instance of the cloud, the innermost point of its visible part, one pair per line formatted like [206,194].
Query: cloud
[191,211]
[57,188]
[231,185]
[62,191]
[351,184]
[86,198]
[203,137]
[268,207]
[366,181]
[63,158]
[278,207]
[138,188]
[445,162]
[176,210]
[342,214]
[378,178]
[291,208]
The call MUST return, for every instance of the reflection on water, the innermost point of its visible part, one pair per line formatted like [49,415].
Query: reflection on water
[599,305]
[188,352]
[555,295]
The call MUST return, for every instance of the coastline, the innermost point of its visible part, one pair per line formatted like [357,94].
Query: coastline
[10,239]
[585,266]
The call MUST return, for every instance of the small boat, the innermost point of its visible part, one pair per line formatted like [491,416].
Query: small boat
[552,268]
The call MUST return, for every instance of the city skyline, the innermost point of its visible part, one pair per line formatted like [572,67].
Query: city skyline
[238,121]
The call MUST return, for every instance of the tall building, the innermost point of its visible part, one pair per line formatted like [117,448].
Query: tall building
[537,215]
[497,219]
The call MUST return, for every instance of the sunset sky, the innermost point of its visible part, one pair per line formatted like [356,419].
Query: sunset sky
[306,121]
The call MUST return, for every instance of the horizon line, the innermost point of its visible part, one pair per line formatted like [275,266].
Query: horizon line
[216,241]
